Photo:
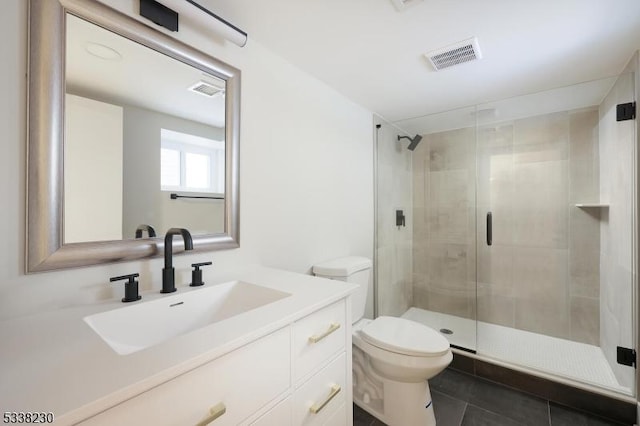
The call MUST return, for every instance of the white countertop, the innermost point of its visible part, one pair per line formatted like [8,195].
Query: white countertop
[54,362]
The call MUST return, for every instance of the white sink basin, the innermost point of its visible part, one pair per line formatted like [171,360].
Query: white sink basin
[142,325]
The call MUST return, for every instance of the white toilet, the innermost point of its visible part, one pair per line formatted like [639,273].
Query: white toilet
[392,357]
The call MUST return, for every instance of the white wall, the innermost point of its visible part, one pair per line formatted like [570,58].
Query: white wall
[144,201]
[93,171]
[306,179]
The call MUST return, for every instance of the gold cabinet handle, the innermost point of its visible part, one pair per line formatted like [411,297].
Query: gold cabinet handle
[317,338]
[215,412]
[335,389]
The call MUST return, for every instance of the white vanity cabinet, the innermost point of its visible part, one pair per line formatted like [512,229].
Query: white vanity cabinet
[320,365]
[280,415]
[298,375]
[238,383]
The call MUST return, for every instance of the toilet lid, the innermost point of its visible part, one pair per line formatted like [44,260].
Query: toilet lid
[405,337]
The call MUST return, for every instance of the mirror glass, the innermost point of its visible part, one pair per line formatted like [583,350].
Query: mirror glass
[144,140]
[129,129]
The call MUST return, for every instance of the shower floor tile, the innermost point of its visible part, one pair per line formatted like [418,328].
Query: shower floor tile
[561,357]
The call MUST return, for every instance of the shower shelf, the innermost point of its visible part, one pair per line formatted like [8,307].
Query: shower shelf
[593,205]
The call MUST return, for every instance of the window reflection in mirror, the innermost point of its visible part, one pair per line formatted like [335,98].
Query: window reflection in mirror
[191,163]
[139,126]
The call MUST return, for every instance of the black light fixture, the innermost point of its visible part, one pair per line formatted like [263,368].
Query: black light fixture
[159,14]
[167,17]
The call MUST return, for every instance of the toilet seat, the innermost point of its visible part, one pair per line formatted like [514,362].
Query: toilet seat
[405,337]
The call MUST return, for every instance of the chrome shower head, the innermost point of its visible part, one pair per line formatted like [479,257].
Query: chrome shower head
[414,141]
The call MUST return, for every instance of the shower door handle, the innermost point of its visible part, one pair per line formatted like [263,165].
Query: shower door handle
[489,229]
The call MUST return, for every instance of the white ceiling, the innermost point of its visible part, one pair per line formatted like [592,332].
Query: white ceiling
[141,77]
[373,54]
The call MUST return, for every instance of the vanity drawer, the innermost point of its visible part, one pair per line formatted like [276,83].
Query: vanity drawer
[317,337]
[339,418]
[279,415]
[243,381]
[316,401]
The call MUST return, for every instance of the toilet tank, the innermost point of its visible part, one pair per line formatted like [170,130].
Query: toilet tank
[354,270]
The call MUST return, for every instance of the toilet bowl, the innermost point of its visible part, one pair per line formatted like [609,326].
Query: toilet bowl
[393,358]
[403,350]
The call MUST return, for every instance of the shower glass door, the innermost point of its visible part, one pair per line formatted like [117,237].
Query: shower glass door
[443,170]
[555,247]
[511,229]
[393,292]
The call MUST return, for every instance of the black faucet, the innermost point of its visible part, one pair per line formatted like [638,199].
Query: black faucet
[168,273]
[148,228]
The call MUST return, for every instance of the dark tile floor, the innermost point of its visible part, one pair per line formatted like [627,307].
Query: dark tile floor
[463,400]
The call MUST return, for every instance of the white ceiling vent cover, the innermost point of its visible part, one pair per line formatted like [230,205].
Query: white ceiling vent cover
[206,88]
[457,53]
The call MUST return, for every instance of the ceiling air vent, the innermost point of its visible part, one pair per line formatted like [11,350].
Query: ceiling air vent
[206,88]
[458,53]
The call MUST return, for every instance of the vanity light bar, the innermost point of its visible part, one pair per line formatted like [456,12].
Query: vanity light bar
[203,17]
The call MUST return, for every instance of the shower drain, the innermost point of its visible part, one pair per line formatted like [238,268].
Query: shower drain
[445,331]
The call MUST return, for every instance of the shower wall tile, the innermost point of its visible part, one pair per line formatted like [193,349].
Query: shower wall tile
[420,176]
[584,252]
[585,228]
[541,274]
[498,139]
[450,197]
[540,290]
[420,223]
[421,261]
[585,320]
[584,273]
[452,150]
[541,138]
[420,295]
[459,302]
[444,250]
[499,200]
[550,317]
[451,284]
[394,273]
[584,171]
[451,265]
[496,269]
[539,204]
[495,308]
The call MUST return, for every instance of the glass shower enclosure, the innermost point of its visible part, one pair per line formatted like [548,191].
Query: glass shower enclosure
[510,229]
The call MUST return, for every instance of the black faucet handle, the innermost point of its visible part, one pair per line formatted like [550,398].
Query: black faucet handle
[130,277]
[130,287]
[196,274]
[197,265]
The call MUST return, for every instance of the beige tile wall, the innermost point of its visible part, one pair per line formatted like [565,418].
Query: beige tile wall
[542,272]
[444,254]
